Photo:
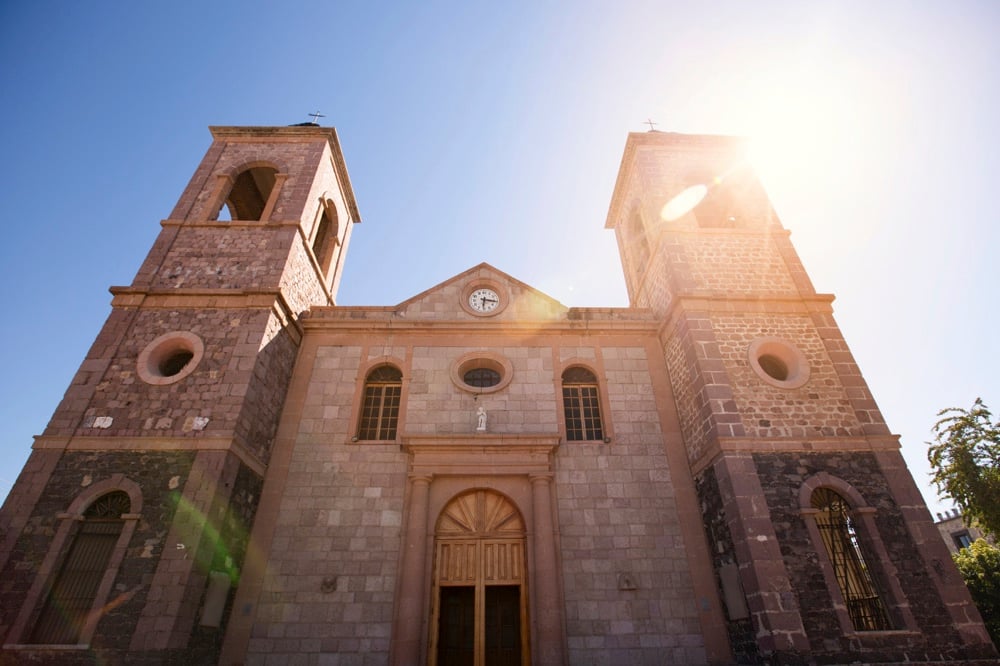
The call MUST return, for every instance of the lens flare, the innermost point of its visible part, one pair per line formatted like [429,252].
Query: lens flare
[683,203]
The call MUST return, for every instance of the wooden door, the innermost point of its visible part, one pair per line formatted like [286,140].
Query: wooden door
[479,605]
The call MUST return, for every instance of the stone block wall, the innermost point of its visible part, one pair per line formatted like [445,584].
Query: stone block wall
[215,391]
[335,556]
[720,394]
[162,477]
[935,638]
[741,630]
[334,559]
[264,399]
[706,406]
[733,263]
[75,471]
[820,408]
[436,405]
[628,592]
[222,256]
[301,283]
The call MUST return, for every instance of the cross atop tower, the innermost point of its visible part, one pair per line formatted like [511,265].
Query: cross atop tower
[316,116]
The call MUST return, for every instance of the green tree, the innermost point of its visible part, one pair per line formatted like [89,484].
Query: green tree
[979,565]
[965,457]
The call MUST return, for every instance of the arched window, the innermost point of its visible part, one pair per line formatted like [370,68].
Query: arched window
[637,237]
[71,596]
[250,193]
[839,534]
[326,235]
[581,405]
[380,409]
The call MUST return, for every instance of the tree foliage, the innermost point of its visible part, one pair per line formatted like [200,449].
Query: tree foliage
[965,457]
[979,565]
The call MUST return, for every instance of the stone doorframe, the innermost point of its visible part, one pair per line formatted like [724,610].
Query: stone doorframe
[441,467]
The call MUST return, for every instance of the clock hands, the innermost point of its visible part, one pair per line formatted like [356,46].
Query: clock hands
[484,300]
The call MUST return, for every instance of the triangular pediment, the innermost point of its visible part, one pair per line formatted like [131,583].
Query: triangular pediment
[450,299]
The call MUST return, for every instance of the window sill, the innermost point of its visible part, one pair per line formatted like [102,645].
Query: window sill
[881,634]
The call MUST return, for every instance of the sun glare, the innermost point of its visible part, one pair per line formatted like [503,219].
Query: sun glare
[683,202]
[812,117]
[803,123]
[790,127]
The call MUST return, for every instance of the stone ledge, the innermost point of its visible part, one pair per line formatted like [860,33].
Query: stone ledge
[480,454]
[750,445]
[134,444]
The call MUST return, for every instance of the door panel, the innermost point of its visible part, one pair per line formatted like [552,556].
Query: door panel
[480,602]
[503,625]
[457,633]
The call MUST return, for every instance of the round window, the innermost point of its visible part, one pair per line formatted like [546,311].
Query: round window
[175,363]
[481,372]
[778,362]
[774,367]
[170,358]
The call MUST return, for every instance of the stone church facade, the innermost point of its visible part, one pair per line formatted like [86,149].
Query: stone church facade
[244,472]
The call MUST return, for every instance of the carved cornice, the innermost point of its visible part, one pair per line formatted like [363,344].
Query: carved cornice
[480,453]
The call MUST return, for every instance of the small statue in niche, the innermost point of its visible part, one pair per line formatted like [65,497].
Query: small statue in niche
[481,419]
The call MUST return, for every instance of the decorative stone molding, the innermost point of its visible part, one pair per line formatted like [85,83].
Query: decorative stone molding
[471,454]
[480,283]
[482,359]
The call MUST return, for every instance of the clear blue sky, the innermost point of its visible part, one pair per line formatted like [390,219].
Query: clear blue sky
[493,132]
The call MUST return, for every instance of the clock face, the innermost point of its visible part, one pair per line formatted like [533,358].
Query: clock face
[484,300]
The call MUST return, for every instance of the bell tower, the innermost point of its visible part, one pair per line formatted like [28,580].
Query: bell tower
[173,412]
[800,480]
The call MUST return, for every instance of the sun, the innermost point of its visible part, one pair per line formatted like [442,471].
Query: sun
[806,113]
[810,121]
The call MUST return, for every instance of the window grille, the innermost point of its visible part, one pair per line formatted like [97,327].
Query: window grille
[481,377]
[581,405]
[72,594]
[380,409]
[836,526]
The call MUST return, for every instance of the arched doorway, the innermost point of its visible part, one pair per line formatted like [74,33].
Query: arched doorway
[480,597]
